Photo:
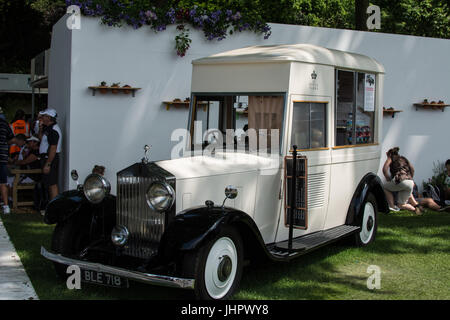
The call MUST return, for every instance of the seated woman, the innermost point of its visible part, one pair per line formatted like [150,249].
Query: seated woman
[399,174]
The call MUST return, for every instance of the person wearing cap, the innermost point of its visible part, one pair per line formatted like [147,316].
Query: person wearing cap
[6,138]
[49,150]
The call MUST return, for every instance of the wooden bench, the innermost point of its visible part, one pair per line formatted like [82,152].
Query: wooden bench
[17,186]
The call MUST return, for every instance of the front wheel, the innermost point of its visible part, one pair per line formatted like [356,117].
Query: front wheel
[217,266]
[369,222]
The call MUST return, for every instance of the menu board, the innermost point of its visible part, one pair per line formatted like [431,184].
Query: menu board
[369,92]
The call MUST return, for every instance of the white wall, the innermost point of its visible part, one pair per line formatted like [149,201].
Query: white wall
[60,87]
[112,130]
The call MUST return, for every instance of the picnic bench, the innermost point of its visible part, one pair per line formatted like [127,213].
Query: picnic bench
[18,185]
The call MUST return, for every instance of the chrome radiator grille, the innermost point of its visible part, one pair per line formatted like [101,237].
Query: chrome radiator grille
[145,225]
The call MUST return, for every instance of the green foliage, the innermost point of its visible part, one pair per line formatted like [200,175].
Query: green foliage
[323,13]
[25,25]
[216,21]
[428,18]
[439,175]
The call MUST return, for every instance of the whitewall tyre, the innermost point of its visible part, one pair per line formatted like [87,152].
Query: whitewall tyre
[369,222]
[218,266]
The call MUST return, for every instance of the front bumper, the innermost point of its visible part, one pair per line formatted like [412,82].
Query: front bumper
[149,278]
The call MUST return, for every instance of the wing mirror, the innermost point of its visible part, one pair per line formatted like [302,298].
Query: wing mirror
[74,176]
[231,192]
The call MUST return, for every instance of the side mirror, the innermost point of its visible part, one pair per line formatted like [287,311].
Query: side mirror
[231,192]
[74,175]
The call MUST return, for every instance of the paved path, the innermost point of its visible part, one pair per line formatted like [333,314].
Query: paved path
[14,282]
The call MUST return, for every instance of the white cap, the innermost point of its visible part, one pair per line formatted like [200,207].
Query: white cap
[49,112]
[33,138]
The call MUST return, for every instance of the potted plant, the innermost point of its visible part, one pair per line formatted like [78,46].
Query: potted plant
[126,91]
[103,87]
[115,85]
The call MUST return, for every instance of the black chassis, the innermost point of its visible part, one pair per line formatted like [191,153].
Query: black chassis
[187,232]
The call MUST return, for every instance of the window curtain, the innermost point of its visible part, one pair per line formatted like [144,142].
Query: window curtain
[265,112]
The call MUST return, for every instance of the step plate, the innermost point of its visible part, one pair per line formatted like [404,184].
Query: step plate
[314,240]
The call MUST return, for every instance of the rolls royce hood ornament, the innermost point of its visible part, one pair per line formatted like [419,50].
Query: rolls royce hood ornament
[146,150]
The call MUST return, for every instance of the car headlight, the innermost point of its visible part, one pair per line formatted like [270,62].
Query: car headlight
[96,188]
[119,235]
[160,196]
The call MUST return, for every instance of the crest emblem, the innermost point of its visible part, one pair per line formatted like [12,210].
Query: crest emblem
[314,75]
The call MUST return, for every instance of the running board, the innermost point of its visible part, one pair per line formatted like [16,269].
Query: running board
[311,241]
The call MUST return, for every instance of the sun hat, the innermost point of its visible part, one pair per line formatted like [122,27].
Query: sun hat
[33,138]
[49,112]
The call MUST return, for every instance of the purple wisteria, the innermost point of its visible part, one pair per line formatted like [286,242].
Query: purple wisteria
[216,25]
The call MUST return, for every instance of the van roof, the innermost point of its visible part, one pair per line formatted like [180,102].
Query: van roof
[295,53]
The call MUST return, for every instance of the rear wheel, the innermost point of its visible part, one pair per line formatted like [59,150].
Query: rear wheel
[369,222]
[217,266]
[69,238]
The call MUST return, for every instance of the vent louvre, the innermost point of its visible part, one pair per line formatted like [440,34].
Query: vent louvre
[316,190]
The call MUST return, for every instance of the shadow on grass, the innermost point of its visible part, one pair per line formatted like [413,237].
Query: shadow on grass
[28,233]
[407,233]
[314,277]
[317,275]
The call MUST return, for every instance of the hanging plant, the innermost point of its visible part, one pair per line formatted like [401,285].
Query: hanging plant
[182,41]
[215,24]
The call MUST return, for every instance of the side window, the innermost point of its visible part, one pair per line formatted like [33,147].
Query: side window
[257,121]
[355,108]
[308,125]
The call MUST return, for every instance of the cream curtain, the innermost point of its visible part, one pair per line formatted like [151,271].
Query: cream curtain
[265,112]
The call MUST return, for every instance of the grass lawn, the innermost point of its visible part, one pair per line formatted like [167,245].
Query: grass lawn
[412,252]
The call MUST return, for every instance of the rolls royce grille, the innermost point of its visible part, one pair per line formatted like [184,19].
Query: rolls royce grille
[145,225]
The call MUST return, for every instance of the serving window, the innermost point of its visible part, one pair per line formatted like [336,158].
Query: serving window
[246,122]
[308,125]
[355,108]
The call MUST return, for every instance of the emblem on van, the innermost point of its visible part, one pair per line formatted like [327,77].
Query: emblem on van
[314,75]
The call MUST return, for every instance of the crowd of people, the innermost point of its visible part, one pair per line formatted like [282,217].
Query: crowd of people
[402,192]
[30,146]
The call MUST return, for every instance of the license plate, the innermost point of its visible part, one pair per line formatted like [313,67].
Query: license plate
[103,278]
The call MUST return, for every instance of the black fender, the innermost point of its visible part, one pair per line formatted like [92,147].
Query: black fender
[194,227]
[370,183]
[73,202]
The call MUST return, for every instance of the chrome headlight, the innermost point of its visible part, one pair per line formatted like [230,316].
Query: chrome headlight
[96,188]
[119,235]
[160,196]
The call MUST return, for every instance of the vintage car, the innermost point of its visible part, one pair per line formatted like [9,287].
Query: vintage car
[301,126]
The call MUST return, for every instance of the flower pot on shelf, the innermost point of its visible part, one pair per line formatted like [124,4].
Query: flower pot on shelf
[103,88]
[126,91]
[115,85]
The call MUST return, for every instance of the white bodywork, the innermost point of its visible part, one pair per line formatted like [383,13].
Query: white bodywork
[333,172]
